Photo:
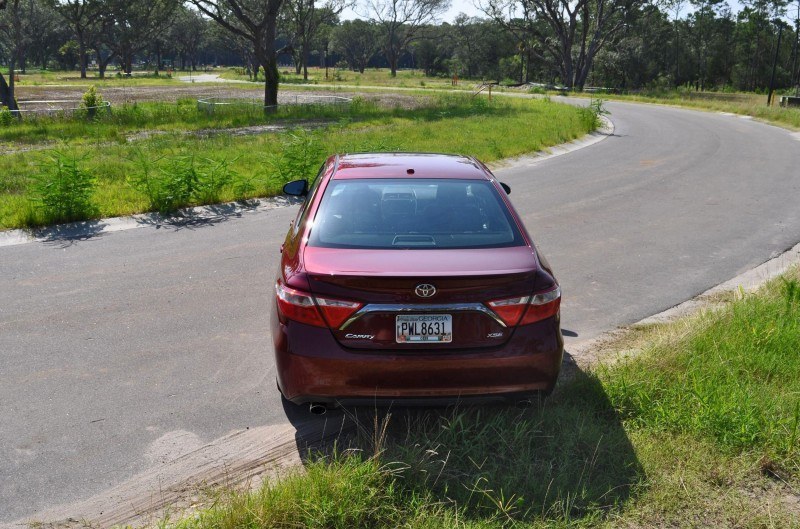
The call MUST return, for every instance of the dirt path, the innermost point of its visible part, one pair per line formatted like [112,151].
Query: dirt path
[172,93]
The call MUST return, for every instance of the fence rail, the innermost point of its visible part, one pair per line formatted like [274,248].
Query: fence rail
[57,110]
[210,104]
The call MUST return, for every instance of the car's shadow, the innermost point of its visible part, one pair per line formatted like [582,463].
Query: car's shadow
[563,457]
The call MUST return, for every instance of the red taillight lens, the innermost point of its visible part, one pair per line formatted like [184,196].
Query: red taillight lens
[535,308]
[299,306]
[510,310]
[337,311]
[542,306]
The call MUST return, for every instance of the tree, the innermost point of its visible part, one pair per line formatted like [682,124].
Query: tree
[187,35]
[256,22]
[356,40]
[81,15]
[479,45]
[575,30]
[130,27]
[401,21]
[17,34]
[305,19]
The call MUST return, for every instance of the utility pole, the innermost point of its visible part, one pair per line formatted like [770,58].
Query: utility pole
[775,61]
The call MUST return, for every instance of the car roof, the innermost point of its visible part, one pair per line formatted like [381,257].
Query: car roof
[408,165]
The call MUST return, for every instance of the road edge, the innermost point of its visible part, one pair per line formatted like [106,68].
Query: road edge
[748,281]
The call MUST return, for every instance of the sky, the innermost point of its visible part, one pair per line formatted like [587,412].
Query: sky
[468,7]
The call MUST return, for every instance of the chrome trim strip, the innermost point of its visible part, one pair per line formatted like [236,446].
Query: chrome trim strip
[444,307]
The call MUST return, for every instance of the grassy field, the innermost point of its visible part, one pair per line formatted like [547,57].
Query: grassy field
[371,77]
[746,104]
[97,169]
[700,428]
[50,77]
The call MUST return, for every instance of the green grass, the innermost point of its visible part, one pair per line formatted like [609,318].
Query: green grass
[112,79]
[736,382]
[182,115]
[698,429]
[260,164]
[747,104]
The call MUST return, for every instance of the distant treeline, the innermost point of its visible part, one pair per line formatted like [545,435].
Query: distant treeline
[626,44]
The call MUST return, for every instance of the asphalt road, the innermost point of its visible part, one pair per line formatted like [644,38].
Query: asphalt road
[122,351]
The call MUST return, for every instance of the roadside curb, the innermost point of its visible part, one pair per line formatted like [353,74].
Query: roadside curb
[183,217]
[92,228]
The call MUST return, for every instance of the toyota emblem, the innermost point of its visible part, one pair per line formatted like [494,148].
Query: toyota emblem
[425,290]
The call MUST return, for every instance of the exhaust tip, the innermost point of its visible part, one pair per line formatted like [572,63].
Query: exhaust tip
[524,403]
[317,408]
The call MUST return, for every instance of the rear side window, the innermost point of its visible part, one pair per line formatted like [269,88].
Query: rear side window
[413,214]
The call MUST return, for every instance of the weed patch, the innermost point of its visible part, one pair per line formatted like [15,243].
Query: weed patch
[180,180]
[63,191]
[168,170]
[735,380]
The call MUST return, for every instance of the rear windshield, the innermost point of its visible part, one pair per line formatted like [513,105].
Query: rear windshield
[413,214]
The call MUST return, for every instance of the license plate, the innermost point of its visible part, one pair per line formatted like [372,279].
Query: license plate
[424,328]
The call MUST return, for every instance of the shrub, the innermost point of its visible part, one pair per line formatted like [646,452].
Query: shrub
[6,117]
[91,101]
[181,181]
[599,110]
[300,155]
[63,191]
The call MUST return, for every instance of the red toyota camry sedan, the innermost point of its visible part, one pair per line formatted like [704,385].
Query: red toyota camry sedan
[409,278]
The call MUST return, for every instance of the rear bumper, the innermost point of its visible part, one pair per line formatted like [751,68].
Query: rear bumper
[313,367]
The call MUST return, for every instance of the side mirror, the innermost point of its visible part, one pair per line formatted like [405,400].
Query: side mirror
[296,188]
[506,188]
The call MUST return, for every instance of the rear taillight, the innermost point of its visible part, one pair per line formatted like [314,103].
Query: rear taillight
[299,306]
[527,309]
[542,306]
[510,310]
[337,311]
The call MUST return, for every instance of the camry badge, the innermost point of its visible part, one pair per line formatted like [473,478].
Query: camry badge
[425,290]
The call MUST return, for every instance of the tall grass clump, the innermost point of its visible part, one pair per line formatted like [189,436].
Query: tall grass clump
[300,155]
[346,493]
[179,181]
[62,191]
[6,117]
[735,380]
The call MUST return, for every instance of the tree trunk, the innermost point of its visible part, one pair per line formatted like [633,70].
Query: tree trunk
[270,65]
[82,58]
[102,64]
[269,60]
[158,58]
[7,94]
[11,100]
[567,71]
[305,52]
